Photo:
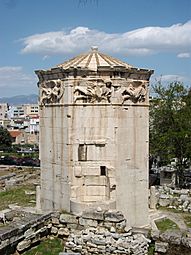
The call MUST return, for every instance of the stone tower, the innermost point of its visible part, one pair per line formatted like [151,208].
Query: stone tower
[94,136]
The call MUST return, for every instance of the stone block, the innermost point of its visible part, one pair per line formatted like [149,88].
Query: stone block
[23,245]
[9,214]
[184,191]
[112,181]
[78,171]
[15,238]
[29,233]
[36,239]
[76,191]
[164,200]
[111,172]
[68,218]
[98,241]
[78,248]
[54,230]
[93,214]
[94,198]
[112,229]
[92,171]
[153,200]
[186,241]
[161,247]
[96,181]
[171,236]
[55,221]
[155,233]
[73,226]
[4,243]
[86,237]
[70,245]
[184,197]
[121,225]
[88,222]
[107,224]
[185,204]
[42,231]
[95,190]
[63,232]
[91,245]
[113,216]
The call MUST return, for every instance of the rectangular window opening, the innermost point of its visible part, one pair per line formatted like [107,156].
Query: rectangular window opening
[103,170]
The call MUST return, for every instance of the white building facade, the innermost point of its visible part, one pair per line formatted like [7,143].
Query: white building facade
[94,136]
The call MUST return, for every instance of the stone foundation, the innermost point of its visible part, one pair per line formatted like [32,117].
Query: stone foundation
[99,232]
[92,232]
[21,234]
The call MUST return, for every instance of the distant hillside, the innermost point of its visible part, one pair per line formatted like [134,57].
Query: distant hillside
[21,99]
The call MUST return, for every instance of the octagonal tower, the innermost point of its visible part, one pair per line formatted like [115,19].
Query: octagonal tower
[94,136]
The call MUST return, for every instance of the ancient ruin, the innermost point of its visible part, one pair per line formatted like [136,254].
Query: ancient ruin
[94,136]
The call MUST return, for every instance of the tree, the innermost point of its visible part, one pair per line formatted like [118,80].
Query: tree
[5,139]
[170,126]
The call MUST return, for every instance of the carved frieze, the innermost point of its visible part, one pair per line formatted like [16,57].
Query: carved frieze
[91,92]
[135,92]
[51,92]
[109,92]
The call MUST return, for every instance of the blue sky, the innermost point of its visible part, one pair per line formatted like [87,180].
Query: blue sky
[39,34]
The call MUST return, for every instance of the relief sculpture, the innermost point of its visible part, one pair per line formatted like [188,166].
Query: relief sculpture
[106,92]
[51,92]
[135,93]
[92,92]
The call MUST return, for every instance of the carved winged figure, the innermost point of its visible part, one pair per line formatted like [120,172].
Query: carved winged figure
[87,92]
[51,92]
[106,91]
[134,93]
[92,92]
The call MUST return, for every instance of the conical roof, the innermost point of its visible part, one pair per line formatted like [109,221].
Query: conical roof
[93,60]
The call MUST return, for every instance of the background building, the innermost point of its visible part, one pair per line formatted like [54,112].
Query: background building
[22,121]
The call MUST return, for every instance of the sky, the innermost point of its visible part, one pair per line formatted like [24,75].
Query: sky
[39,34]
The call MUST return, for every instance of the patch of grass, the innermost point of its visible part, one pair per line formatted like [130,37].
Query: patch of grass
[17,195]
[187,220]
[151,249]
[47,247]
[166,224]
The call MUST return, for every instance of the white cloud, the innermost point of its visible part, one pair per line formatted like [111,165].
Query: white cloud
[142,41]
[167,78]
[45,57]
[13,75]
[184,55]
[14,79]
[172,77]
